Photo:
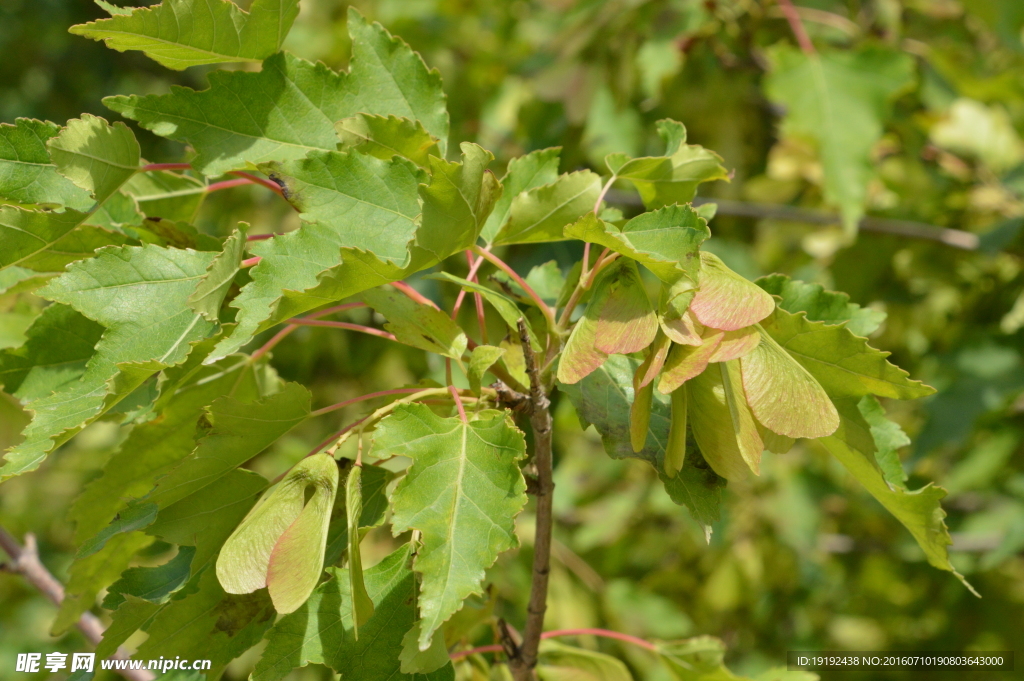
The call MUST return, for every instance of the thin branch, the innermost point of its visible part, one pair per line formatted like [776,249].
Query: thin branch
[797,26]
[255,179]
[251,262]
[259,237]
[957,238]
[377,415]
[458,403]
[473,269]
[25,561]
[280,335]
[414,294]
[525,659]
[818,16]
[603,261]
[343,325]
[503,266]
[604,633]
[363,398]
[478,299]
[227,184]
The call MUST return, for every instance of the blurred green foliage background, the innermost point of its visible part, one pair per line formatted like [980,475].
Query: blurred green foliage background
[803,558]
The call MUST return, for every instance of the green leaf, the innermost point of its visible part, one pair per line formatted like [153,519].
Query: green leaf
[154,448]
[247,118]
[888,437]
[320,632]
[183,33]
[726,300]
[820,305]
[134,517]
[362,606]
[844,364]
[542,213]
[558,662]
[672,178]
[290,107]
[280,543]
[213,287]
[918,510]
[133,614]
[48,241]
[26,174]
[462,492]
[302,272]
[481,359]
[665,241]
[840,100]
[696,659]
[387,136]
[94,155]
[783,396]
[41,367]
[89,576]
[536,169]
[153,584]
[139,295]
[418,324]
[416,661]
[166,195]
[208,624]
[206,518]
[364,202]
[506,308]
[388,78]
[603,399]
[375,481]
[241,430]
[722,424]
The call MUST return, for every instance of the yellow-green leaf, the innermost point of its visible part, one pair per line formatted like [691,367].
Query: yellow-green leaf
[722,424]
[362,606]
[783,396]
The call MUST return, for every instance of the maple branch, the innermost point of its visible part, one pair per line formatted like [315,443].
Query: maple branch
[604,633]
[503,266]
[582,286]
[414,294]
[227,184]
[363,398]
[474,267]
[525,658]
[957,238]
[302,321]
[269,184]
[797,26]
[25,561]
[280,335]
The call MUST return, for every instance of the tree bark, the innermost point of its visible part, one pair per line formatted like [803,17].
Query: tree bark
[524,659]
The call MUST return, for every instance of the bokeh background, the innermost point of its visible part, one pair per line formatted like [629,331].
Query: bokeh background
[803,559]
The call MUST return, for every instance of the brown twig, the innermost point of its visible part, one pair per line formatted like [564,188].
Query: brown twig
[957,238]
[525,657]
[25,561]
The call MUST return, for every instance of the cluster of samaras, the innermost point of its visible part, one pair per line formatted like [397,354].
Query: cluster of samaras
[736,387]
